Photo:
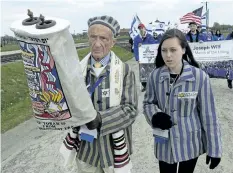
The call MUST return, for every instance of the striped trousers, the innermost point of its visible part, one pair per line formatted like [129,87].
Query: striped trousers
[86,168]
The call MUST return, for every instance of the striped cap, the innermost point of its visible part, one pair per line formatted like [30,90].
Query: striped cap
[108,21]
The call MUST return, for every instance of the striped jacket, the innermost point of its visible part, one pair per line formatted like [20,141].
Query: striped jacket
[100,152]
[196,127]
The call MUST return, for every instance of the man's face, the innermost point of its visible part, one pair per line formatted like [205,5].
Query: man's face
[142,31]
[193,27]
[101,41]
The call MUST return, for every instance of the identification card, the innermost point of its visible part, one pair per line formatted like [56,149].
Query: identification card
[161,136]
[86,134]
[187,95]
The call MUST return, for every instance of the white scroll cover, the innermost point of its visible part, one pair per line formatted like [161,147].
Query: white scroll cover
[57,88]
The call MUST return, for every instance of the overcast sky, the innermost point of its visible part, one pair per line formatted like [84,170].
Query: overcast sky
[79,11]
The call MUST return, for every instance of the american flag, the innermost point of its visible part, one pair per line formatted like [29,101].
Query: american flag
[194,16]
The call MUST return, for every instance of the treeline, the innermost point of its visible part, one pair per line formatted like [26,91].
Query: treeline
[8,40]
[222,27]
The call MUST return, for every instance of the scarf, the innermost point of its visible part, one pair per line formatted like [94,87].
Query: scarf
[122,162]
[191,38]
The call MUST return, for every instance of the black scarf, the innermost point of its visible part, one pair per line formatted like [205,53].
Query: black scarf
[191,38]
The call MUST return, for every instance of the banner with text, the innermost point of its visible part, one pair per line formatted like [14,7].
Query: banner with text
[215,58]
[147,55]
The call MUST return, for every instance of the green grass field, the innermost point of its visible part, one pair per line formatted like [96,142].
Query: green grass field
[16,103]
[10,47]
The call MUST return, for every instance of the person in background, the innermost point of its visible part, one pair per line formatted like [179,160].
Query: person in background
[218,36]
[199,28]
[142,38]
[131,43]
[179,100]
[209,35]
[229,36]
[157,37]
[194,35]
[229,76]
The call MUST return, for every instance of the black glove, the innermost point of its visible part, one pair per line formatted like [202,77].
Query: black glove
[161,120]
[76,129]
[214,161]
[96,123]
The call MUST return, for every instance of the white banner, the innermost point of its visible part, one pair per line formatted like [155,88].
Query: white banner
[147,53]
[213,51]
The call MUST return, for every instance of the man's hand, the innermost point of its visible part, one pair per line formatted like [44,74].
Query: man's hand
[96,123]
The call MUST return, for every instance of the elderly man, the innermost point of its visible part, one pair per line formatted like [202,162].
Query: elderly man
[112,88]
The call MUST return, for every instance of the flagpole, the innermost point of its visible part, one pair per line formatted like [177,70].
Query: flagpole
[206,6]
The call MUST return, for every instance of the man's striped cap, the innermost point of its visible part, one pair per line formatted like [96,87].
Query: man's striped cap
[108,21]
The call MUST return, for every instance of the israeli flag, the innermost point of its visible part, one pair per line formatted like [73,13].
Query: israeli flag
[156,27]
[134,31]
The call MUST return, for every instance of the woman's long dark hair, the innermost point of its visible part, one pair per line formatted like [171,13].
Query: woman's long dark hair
[216,33]
[188,56]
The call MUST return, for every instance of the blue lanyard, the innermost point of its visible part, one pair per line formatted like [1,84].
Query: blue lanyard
[93,87]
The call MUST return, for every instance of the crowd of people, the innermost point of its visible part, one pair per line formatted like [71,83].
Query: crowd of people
[196,34]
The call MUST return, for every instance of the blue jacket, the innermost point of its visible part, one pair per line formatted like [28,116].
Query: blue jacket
[208,37]
[198,35]
[217,38]
[229,37]
[158,38]
[196,128]
[149,39]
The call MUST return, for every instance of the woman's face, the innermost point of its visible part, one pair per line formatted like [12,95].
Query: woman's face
[218,32]
[172,52]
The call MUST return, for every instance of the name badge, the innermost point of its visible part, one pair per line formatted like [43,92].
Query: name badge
[187,95]
[86,137]
[86,134]
[105,93]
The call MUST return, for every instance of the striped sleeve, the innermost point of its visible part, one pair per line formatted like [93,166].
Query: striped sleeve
[120,117]
[150,103]
[209,119]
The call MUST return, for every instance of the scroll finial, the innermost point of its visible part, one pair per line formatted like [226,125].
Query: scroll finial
[42,19]
[30,14]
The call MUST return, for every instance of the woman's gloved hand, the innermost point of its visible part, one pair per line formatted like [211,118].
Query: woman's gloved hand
[214,162]
[161,120]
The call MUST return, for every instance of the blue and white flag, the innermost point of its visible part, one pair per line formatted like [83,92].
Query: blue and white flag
[134,31]
[156,27]
[205,19]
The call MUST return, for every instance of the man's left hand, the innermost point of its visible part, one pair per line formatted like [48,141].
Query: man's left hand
[96,123]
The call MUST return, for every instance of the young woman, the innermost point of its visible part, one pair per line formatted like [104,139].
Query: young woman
[179,101]
[218,36]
